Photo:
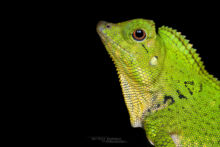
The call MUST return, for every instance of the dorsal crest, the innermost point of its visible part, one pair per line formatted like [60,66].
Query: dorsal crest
[183,45]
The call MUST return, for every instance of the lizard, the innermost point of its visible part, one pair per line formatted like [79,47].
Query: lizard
[166,88]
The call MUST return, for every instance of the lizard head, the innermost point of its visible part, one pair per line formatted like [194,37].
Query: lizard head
[135,51]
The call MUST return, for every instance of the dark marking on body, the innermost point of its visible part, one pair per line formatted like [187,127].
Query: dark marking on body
[190,91]
[200,90]
[181,71]
[186,85]
[158,105]
[167,97]
[148,110]
[181,96]
[189,82]
[145,47]
[213,118]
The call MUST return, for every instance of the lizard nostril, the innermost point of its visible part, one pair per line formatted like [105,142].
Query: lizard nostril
[108,26]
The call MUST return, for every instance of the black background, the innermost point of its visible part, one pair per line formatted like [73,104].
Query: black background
[86,100]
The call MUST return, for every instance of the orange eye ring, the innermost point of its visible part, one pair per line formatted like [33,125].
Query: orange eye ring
[139,35]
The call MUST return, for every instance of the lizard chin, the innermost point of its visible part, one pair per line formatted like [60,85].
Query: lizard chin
[137,124]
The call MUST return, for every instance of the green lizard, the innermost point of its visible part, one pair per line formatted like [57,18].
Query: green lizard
[166,88]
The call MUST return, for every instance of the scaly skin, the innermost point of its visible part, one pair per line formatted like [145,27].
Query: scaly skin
[166,88]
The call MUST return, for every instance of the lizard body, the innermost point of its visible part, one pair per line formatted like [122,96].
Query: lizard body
[166,88]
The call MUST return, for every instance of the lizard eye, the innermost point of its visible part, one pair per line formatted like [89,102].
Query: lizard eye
[139,35]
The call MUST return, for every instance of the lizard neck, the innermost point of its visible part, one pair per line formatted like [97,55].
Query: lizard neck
[183,57]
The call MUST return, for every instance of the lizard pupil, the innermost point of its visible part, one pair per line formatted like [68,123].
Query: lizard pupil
[139,34]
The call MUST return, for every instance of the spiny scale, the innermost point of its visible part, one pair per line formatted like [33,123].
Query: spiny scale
[188,50]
